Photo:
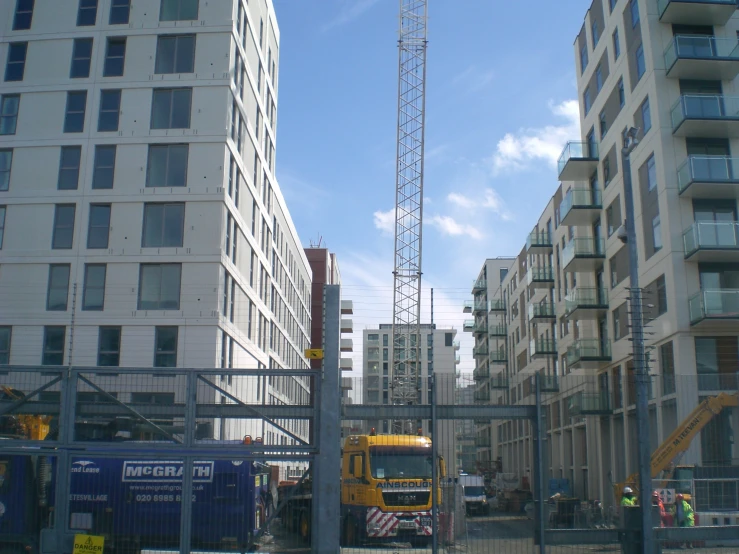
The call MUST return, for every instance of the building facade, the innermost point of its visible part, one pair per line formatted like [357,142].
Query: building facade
[141,224]
[668,68]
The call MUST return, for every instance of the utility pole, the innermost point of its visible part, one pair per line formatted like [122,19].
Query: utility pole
[631,140]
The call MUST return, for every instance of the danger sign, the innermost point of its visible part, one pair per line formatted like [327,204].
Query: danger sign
[88,544]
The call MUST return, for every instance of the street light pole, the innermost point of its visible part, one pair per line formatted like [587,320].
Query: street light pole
[637,336]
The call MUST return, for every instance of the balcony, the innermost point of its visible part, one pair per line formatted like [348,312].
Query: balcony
[542,311]
[347,307]
[480,351]
[588,354]
[540,348]
[499,381]
[481,373]
[584,254]
[585,303]
[540,277]
[346,325]
[457,359]
[580,206]
[347,345]
[712,241]
[500,330]
[702,57]
[482,395]
[706,115]
[467,308]
[696,12]
[479,285]
[456,345]
[586,403]
[714,305]
[539,240]
[498,356]
[480,328]
[346,364]
[577,161]
[709,177]
[549,383]
[468,326]
[497,305]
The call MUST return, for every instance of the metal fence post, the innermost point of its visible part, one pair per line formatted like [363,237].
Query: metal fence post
[325,533]
[434,472]
[189,436]
[539,468]
[67,416]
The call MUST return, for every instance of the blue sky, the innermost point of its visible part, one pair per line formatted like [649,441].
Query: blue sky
[500,104]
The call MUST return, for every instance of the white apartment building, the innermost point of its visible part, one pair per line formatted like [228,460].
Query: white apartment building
[141,224]
[669,68]
[438,356]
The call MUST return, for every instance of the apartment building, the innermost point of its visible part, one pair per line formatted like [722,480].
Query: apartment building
[438,356]
[669,68]
[141,224]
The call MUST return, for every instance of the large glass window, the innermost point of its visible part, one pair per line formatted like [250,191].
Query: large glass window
[109,347]
[159,287]
[170,108]
[53,351]
[98,230]
[175,54]
[165,347]
[23,15]
[69,167]
[641,66]
[81,57]
[119,12]
[9,106]
[74,118]
[5,336]
[63,234]
[651,173]
[16,64]
[115,57]
[93,297]
[163,225]
[178,10]
[634,9]
[167,166]
[2,224]
[400,462]
[87,13]
[104,167]
[6,162]
[58,288]
[616,45]
[110,109]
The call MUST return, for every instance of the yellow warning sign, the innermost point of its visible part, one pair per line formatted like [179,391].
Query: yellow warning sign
[314,354]
[88,544]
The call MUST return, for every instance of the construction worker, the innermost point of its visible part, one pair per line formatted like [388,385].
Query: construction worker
[628,498]
[657,501]
[684,516]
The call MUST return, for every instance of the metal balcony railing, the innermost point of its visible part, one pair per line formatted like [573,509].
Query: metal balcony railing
[700,47]
[709,235]
[707,170]
[704,106]
[714,304]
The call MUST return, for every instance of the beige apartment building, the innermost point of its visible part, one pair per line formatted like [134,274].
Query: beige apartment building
[669,68]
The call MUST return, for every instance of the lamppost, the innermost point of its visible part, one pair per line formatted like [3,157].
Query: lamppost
[631,140]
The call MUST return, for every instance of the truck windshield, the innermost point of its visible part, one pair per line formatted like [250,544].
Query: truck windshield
[400,462]
[474,491]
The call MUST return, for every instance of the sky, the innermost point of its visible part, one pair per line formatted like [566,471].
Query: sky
[501,102]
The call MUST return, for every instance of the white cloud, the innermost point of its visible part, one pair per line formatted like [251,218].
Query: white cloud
[490,200]
[521,150]
[448,226]
[350,10]
[385,221]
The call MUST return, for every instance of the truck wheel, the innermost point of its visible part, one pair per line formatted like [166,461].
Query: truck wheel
[304,525]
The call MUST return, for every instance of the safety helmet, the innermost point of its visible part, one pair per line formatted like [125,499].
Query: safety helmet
[680,497]
[655,494]
[627,490]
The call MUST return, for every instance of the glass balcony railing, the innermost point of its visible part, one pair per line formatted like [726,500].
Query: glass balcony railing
[498,356]
[479,284]
[480,306]
[480,350]
[707,170]
[543,347]
[499,381]
[482,395]
[545,310]
[586,297]
[583,248]
[709,235]
[704,106]
[481,373]
[578,199]
[700,47]
[540,275]
[577,150]
[500,330]
[539,239]
[714,304]
[549,383]
[480,327]
[468,325]
[456,345]
[585,403]
[588,350]
[497,305]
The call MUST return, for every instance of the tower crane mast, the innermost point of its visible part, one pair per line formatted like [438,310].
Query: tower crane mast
[405,382]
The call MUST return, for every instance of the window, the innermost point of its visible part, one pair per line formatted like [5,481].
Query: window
[661,295]
[175,54]
[104,167]
[640,64]
[115,57]
[93,296]
[2,224]
[167,166]
[81,56]
[57,290]
[63,226]
[119,12]
[170,108]
[606,172]
[163,225]
[583,57]
[5,334]
[23,15]
[634,8]
[98,229]
[616,45]
[603,124]
[599,77]
[53,353]
[87,13]
[110,107]
[178,10]
[646,116]
[6,162]
[165,347]
[69,167]
[74,118]
[612,4]
[587,102]
[16,64]
[656,230]
[159,287]
[621,93]
[651,173]
[613,216]
[109,346]
[9,104]
[596,36]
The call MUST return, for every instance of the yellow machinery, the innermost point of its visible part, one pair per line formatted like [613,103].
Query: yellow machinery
[680,439]
[33,427]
